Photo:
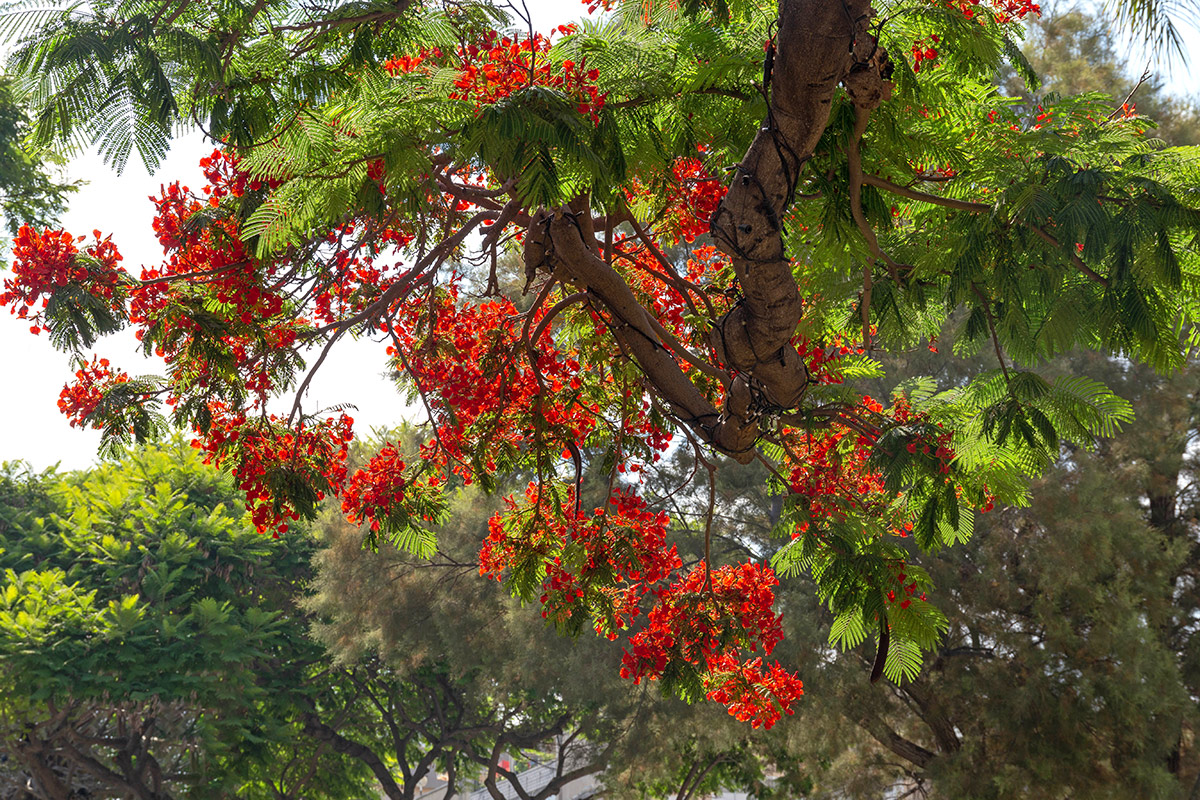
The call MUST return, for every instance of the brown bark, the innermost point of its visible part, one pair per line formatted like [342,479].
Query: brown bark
[46,781]
[813,55]
[819,45]
[324,733]
[909,751]
[933,712]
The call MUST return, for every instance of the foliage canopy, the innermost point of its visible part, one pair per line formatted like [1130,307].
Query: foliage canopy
[717,244]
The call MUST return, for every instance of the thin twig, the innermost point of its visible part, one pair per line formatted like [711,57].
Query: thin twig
[1075,259]
[1125,104]
[987,311]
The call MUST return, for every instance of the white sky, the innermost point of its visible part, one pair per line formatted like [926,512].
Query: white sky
[32,429]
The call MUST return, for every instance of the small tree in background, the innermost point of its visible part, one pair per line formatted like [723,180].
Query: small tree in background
[148,636]
[30,192]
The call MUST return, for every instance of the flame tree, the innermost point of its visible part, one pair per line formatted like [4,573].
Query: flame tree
[723,211]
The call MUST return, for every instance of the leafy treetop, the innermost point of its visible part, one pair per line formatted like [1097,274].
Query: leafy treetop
[723,211]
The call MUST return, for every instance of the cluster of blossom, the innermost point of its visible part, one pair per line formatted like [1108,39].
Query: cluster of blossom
[704,617]
[617,553]
[210,265]
[924,52]
[822,360]
[48,262]
[485,392]
[595,5]
[693,200]
[264,456]
[521,534]
[251,323]
[933,441]
[753,692]
[830,467]
[372,494]
[1002,12]
[688,202]
[354,279]
[498,65]
[92,380]
[935,445]
[933,173]
[607,564]
[707,620]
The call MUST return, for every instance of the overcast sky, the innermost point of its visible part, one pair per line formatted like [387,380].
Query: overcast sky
[32,429]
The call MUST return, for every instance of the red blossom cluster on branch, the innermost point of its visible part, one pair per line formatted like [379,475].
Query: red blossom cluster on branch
[264,456]
[618,553]
[487,386]
[1002,12]
[79,399]
[925,52]
[754,692]
[707,619]
[374,492]
[46,263]
[608,565]
[498,65]
[908,589]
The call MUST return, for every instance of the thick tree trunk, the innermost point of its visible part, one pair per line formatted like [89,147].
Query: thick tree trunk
[814,53]
[46,782]
[819,45]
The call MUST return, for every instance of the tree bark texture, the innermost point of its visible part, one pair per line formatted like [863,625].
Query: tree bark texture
[820,44]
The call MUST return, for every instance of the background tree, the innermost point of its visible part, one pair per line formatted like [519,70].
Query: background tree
[148,637]
[154,646]
[30,191]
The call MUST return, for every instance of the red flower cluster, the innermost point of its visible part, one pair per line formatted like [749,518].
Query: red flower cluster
[607,563]
[484,392]
[833,473]
[92,380]
[354,279]
[210,266]
[753,693]
[624,543]
[690,198]
[375,493]
[266,458]
[923,52]
[1001,11]
[935,445]
[499,65]
[707,620]
[908,590]
[48,262]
